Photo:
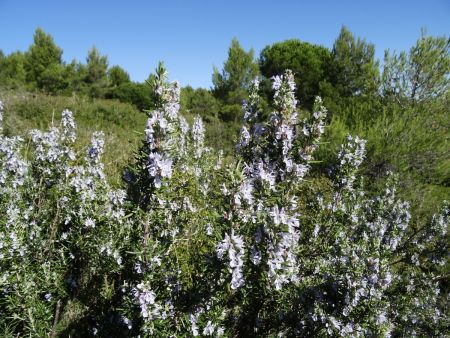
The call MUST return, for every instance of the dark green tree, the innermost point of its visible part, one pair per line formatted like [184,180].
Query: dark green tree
[308,62]
[231,84]
[12,70]
[75,73]
[200,102]
[54,80]
[354,70]
[415,89]
[135,93]
[96,76]
[42,55]
[351,87]
[117,75]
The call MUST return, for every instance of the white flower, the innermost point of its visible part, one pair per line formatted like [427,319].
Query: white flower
[193,319]
[316,230]
[276,82]
[234,245]
[68,125]
[127,322]
[159,167]
[184,126]
[255,256]
[209,328]
[220,331]
[278,215]
[166,167]
[163,123]
[381,318]
[89,223]
[97,144]
[147,301]
[244,138]
[209,229]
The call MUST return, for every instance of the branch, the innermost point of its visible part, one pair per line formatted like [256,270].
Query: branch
[56,319]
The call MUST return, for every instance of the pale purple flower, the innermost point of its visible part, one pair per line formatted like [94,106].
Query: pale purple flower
[209,328]
[89,223]
[234,246]
[68,124]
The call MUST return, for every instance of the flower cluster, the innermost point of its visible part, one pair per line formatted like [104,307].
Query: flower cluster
[198,135]
[12,168]
[1,117]
[351,156]
[147,301]
[282,261]
[193,245]
[159,168]
[233,245]
[276,156]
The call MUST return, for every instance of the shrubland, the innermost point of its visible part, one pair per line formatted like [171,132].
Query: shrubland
[121,123]
[281,239]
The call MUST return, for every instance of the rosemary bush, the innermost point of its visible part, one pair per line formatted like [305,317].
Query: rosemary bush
[193,246]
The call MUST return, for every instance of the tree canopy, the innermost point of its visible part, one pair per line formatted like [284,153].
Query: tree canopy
[421,74]
[43,58]
[117,75]
[308,62]
[96,77]
[355,70]
[231,84]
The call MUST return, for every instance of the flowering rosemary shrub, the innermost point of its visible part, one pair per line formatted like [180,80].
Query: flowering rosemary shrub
[193,246]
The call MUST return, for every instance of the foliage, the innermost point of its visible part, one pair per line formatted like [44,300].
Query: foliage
[96,75]
[231,85]
[76,73]
[199,102]
[12,70]
[309,63]
[134,93]
[411,141]
[408,135]
[117,76]
[119,121]
[42,68]
[420,75]
[355,71]
[42,60]
[192,245]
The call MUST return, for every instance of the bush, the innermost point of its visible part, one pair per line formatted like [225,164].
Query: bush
[119,121]
[137,94]
[195,246]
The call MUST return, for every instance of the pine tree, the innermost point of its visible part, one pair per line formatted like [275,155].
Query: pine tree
[231,84]
[43,56]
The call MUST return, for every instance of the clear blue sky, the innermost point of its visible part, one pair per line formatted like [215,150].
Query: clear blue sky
[193,36]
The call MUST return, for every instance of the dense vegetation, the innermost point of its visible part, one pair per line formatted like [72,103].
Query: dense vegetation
[296,229]
[400,108]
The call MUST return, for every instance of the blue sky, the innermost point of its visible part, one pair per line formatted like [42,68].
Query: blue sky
[193,36]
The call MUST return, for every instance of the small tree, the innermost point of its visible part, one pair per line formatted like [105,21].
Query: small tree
[53,80]
[42,54]
[75,74]
[309,63]
[96,76]
[355,70]
[117,75]
[12,70]
[231,84]
[200,102]
[420,75]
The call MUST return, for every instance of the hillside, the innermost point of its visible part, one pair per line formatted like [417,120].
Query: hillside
[122,123]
